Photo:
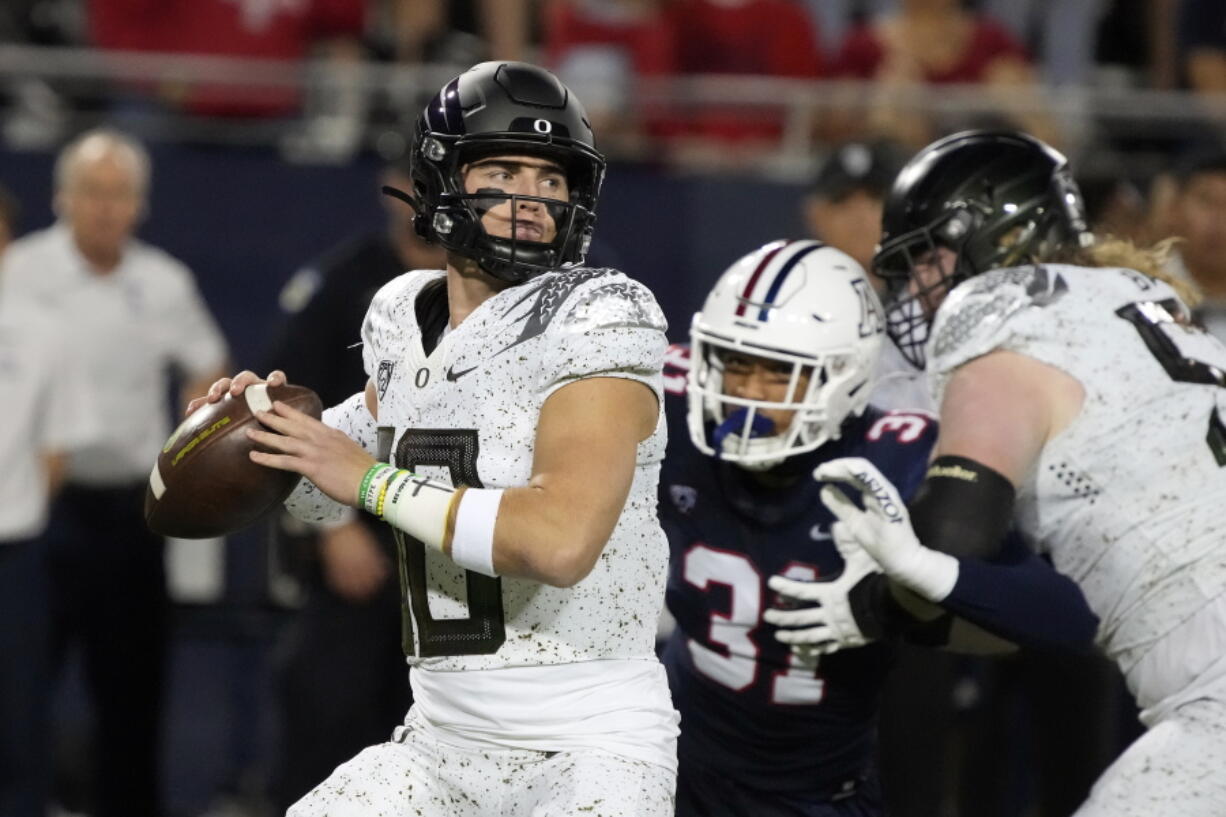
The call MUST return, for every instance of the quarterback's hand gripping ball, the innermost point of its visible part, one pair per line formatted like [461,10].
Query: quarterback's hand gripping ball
[204,483]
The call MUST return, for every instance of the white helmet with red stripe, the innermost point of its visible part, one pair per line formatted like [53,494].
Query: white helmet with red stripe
[806,306]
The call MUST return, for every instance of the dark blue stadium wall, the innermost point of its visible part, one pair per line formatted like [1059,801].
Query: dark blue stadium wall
[243,220]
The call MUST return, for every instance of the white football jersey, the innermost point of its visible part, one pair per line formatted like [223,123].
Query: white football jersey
[1129,499]
[467,413]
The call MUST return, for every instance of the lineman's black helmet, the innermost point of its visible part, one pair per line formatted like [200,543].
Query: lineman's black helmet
[995,198]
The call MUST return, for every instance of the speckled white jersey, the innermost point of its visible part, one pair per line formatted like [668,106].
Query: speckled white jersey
[467,413]
[1128,500]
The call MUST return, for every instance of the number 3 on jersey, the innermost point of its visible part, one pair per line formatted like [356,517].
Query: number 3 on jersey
[737,667]
[484,631]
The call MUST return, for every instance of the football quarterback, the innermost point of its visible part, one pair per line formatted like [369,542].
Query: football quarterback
[511,432]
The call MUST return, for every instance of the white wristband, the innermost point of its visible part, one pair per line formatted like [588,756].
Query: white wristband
[472,544]
[419,507]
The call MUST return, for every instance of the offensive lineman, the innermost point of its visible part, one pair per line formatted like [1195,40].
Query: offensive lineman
[1076,393]
[524,393]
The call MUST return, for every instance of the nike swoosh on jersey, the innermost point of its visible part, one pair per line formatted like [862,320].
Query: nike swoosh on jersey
[453,375]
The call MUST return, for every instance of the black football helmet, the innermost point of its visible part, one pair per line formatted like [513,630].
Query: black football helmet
[504,108]
[995,198]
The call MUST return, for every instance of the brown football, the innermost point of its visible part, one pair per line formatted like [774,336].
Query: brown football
[203,483]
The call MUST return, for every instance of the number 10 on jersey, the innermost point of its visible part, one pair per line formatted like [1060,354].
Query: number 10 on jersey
[484,630]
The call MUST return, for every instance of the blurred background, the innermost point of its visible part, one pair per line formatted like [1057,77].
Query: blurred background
[271,124]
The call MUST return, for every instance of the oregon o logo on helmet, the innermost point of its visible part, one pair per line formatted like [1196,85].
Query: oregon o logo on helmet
[543,126]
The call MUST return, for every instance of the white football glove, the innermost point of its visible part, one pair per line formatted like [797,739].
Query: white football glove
[883,528]
[832,626]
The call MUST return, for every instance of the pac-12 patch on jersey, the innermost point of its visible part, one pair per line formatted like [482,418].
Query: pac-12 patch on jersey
[383,377]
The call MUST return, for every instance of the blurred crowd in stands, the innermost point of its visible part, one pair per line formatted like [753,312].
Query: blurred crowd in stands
[865,68]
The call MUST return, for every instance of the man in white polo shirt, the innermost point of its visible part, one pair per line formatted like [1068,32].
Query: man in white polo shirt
[137,315]
[46,414]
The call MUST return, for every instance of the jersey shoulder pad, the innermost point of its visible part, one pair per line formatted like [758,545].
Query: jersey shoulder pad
[676,404]
[977,316]
[608,299]
[392,314]
[579,300]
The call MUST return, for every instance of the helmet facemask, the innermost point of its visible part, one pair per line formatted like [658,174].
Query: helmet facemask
[982,199]
[982,233]
[453,217]
[807,313]
[821,391]
[918,278]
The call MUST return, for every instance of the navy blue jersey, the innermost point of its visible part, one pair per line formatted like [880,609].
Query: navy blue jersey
[749,711]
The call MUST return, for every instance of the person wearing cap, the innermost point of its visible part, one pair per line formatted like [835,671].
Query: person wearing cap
[843,204]
[843,209]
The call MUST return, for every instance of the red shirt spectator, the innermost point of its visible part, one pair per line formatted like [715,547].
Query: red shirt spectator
[646,37]
[744,37]
[864,52]
[767,37]
[924,43]
[601,48]
[261,29]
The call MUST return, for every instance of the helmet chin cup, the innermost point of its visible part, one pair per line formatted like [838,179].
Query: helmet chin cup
[749,438]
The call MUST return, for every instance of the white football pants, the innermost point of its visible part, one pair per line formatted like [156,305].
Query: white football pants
[1176,769]
[419,776]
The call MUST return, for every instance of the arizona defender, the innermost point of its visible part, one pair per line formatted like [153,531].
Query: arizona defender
[782,355]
